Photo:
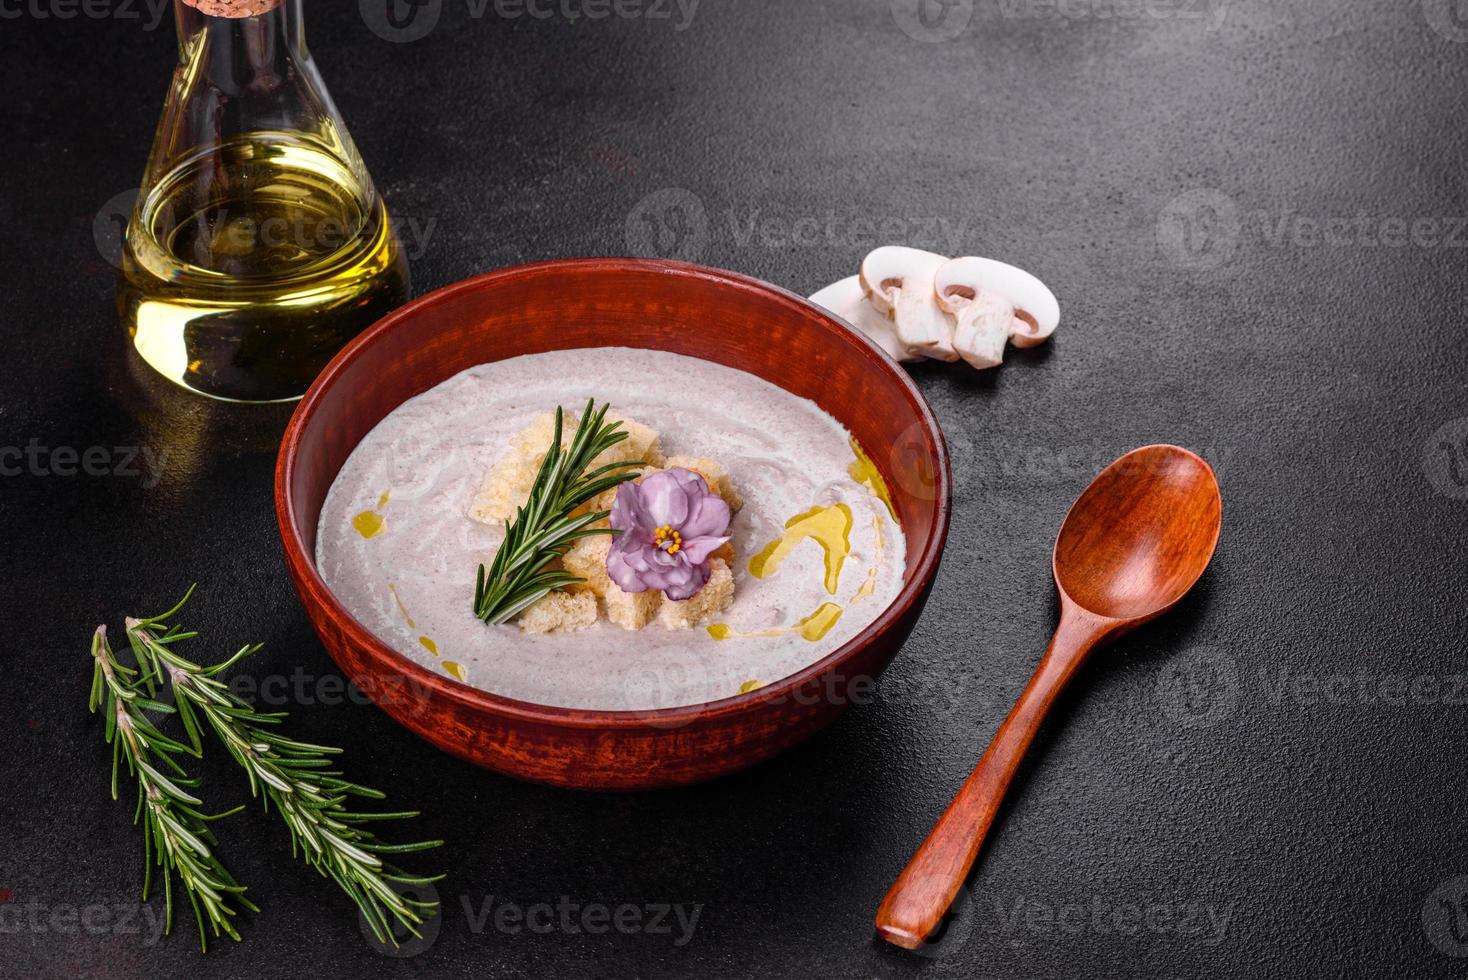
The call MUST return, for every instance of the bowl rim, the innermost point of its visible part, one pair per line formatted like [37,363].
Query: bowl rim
[917,581]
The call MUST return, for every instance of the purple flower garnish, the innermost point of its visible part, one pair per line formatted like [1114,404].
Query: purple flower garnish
[669,525]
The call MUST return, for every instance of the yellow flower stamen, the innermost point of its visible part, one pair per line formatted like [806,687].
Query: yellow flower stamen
[667,539]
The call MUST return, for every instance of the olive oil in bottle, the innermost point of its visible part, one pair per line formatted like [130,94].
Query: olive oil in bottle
[258,246]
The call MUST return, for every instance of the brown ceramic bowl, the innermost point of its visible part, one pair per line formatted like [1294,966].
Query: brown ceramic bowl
[707,313]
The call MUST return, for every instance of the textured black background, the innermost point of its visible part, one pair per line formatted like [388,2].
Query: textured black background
[1171,174]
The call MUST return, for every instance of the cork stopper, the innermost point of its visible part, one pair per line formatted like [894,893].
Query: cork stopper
[233,8]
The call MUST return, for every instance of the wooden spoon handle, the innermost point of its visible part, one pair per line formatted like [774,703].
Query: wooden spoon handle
[917,901]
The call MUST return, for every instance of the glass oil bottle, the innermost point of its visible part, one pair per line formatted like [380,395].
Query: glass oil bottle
[258,245]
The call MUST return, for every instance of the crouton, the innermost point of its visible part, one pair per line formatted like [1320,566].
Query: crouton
[632,610]
[507,484]
[713,474]
[587,559]
[642,443]
[716,596]
[559,612]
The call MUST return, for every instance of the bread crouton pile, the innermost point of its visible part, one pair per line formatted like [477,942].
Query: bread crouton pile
[507,486]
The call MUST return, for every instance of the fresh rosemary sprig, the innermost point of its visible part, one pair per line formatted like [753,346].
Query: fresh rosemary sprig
[175,835]
[293,776]
[544,528]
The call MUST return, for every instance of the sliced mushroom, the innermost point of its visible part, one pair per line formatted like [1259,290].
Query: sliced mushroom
[847,301]
[984,320]
[899,282]
[992,304]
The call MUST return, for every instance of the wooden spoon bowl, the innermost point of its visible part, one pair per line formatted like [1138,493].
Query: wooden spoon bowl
[1140,535]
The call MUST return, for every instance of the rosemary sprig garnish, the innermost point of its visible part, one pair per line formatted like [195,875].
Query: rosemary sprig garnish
[176,836]
[542,531]
[293,776]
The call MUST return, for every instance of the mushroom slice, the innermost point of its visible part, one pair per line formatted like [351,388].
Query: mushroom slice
[847,301]
[899,282]
[992,304]
[985,320]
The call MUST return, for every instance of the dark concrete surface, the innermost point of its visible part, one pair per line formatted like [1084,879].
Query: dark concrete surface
[1253,214]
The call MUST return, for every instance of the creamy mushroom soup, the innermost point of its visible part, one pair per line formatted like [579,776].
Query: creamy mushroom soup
[817,551]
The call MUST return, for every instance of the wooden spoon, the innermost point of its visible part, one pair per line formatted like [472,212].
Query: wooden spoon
[1130,548]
